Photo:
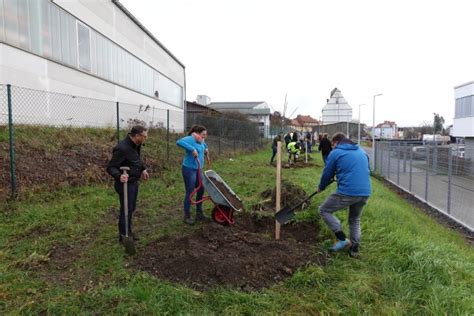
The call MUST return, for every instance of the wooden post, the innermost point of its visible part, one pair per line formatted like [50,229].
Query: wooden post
[278,189]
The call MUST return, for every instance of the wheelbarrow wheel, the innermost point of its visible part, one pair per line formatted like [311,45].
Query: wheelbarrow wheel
[219,216]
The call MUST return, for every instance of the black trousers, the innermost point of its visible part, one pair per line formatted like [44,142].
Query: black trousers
[132,202]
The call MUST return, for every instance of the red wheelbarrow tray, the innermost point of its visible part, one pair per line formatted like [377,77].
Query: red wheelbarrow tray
[215,194]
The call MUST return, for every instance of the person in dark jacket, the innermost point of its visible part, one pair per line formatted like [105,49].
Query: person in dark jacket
[128,154]
[350,164]
[287,139]
[325,147]
[275,147]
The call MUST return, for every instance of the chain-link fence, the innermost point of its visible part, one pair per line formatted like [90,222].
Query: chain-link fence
[54,140]
[440,175]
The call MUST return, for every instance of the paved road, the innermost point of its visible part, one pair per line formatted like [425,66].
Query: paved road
[436,192]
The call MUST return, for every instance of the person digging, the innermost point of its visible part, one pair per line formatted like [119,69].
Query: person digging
[128,154]
[350,164]
[293,151]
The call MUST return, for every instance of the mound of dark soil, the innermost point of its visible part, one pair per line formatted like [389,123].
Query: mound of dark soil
[243,256]
[291,195]
[299,164]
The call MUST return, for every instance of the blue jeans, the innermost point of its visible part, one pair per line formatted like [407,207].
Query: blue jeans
[274,152]
[132,191]
[190,183]
[337,201]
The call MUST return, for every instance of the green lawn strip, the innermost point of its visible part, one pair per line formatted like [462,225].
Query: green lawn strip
[409,263]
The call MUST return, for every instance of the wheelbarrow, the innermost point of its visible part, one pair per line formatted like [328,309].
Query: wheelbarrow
[223,211]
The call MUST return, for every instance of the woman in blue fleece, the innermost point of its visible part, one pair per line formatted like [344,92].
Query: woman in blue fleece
[195,147]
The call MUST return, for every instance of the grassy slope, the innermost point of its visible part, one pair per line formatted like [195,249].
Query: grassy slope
[409,263]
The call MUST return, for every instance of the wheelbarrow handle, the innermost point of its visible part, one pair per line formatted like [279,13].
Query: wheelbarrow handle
[198,187]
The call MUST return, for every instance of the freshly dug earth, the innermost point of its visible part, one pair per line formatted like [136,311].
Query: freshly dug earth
[228,195]
[291,195]
[299,164]
[243,256]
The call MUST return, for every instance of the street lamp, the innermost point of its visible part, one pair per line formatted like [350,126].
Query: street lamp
[373,129]
[358,134]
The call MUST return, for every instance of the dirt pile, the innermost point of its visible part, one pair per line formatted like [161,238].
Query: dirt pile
[291,195]
[228,195]
[299,164]
[243,256]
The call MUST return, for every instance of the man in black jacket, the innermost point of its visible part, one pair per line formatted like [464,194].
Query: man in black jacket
[127,154]
[325,147]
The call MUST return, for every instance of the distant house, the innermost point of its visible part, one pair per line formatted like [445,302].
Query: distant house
[257,111]
[194,110]
[336,109]
[386,130]
[304,123]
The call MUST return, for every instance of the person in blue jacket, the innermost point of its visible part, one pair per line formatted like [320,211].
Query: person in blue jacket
[350,164]
[195,147]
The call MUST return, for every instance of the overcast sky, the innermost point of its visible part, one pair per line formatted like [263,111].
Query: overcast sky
[414,52]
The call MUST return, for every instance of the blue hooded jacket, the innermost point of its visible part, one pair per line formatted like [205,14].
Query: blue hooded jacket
[350,164]
[189,144]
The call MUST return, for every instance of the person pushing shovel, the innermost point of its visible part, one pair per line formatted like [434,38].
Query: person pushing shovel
[350,164]
[128,154]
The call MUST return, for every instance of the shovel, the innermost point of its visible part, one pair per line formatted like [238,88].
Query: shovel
[284,215]
[127,240]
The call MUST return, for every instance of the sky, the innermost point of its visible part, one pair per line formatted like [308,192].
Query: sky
[413,52]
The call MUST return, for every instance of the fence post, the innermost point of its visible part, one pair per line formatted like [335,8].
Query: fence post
[374,148]
[118,122]
[168,135]
[405,159]
[411,168]
[380,158]
[450,174]
[389,159]
[427,171]
[11,140]
[220,132]
[398,164]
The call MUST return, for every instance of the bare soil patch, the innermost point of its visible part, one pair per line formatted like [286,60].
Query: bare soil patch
[291,195]
[244,256]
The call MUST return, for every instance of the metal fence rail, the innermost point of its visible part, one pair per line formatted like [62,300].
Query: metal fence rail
[440,175]
[33,123]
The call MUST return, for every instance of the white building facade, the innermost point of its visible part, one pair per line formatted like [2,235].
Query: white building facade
[336,109]
[258,112]
[463,124]
[94,49]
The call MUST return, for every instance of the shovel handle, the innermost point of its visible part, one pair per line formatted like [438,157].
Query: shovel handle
[125,200]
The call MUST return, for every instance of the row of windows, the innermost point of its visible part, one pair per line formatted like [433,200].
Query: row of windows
[464,107]
[42,28]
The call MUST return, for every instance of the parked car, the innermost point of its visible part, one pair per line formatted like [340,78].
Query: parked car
[419,152]
[458,151]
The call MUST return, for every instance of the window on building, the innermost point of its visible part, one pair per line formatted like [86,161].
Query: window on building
[43,28]
[23,25]
[2,28]
[169,91]
[464,107]
[10,8]
[84,46]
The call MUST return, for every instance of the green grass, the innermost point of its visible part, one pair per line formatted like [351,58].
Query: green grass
[409,263]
